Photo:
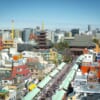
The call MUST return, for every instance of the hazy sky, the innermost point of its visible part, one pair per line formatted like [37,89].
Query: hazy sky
[54,13]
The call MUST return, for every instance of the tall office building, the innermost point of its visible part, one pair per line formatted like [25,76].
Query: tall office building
[75,32]
[6,34]
[89,27]
[26,34]
[17,33]
[50,35]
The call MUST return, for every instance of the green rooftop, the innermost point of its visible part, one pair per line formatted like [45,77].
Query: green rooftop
[61,66]
[44,81]
[75,67]
[31,94]
[4,91]
[52,74]
[69,77]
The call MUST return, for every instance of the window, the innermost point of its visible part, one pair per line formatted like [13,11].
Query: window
[89,56]
[5,81]
[24,53]
[19,69]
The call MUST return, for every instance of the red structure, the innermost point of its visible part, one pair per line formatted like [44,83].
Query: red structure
[32,36]
[86,68]
[42,40]
[20,70]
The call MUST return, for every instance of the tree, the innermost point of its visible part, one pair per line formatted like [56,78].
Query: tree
[61,46]
[96,41]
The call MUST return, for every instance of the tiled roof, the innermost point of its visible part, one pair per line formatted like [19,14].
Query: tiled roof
[82,43]
[97,36]
[83,38]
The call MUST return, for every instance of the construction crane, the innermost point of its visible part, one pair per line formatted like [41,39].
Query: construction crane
[42,26]
[12,31]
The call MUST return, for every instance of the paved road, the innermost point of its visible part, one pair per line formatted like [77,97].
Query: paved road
[53,85]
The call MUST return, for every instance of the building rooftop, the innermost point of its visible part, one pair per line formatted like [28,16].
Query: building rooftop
[82,43]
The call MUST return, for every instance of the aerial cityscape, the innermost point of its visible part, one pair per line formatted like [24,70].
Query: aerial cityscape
[49,50]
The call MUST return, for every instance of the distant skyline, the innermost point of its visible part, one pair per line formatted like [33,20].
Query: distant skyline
[54,13]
